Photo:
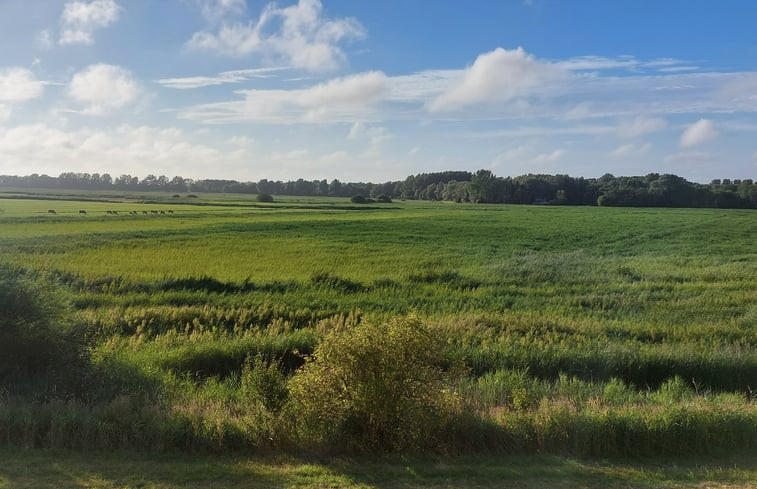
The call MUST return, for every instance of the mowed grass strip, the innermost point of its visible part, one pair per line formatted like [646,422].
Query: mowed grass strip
[129,470]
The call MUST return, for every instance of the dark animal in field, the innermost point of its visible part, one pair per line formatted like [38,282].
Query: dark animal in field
[51,211]
[82,211]
[162,212]
[144,212]
[153,212]
[132,213]
[170,211]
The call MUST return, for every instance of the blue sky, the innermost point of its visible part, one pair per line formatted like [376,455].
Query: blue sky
[376,91]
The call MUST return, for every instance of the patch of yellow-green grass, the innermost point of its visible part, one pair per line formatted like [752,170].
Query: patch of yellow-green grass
[66,470]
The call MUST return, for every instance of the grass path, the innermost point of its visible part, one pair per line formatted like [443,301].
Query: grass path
[43,470]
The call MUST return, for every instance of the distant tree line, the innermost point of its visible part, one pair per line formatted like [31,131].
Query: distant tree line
[653,190]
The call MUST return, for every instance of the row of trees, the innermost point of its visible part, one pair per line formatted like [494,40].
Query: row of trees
[653,189]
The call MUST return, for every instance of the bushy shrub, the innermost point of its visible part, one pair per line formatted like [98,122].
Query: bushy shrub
[361,199]
[263,381]
[376,387]
[35,337]
[264,198]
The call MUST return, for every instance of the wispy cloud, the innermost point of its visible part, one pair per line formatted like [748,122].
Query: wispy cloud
[297,36]
[235,76]
[629,63]
[80,19]
[641,126]
[216,10]
[701,131]
[630,149]
[339,100]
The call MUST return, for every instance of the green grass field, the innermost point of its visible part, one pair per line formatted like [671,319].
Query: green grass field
[65,470]
[590,331]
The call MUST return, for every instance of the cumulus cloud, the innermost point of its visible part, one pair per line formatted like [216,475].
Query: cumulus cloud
[499,75]
[19,85]
[641,126]
[337,100]
[701,131]
[298,36]
[235,76]
[80,19]
[102,88]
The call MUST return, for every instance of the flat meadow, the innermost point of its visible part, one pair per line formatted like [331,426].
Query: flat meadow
[588,331]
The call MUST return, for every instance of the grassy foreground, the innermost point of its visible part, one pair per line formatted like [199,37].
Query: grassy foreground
[183,324]
[63,470]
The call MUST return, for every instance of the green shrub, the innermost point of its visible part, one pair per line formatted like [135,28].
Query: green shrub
[376,387]
[37,345]
[264,198]
[264,382]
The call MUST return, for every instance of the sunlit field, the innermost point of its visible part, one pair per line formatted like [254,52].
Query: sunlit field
[591,331]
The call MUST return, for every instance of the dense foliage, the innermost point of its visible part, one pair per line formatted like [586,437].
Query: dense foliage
[653,190]
[377,387]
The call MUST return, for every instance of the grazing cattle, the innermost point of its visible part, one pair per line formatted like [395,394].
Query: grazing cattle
[82,211]
[170,211]
[51,211]
[162,212]
[144,212]
[153,212]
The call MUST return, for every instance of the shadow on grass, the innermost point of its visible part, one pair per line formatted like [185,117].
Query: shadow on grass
[127,470]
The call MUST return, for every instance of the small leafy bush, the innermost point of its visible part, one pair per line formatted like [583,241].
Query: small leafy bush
[264,198]
[376,386]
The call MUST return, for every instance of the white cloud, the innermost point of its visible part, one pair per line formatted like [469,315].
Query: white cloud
[549,157]
[215,10]
[19,85]
[298,36]
[631,63]
[701,131]
[43,40]
[127,149]
[374,134]
[235,76]
[339,100]
[499,75]
[102,88]
[81,18]
[630,149]
[641,126]
[5,112]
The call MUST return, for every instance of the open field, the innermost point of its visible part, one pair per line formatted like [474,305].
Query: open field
[591,331]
